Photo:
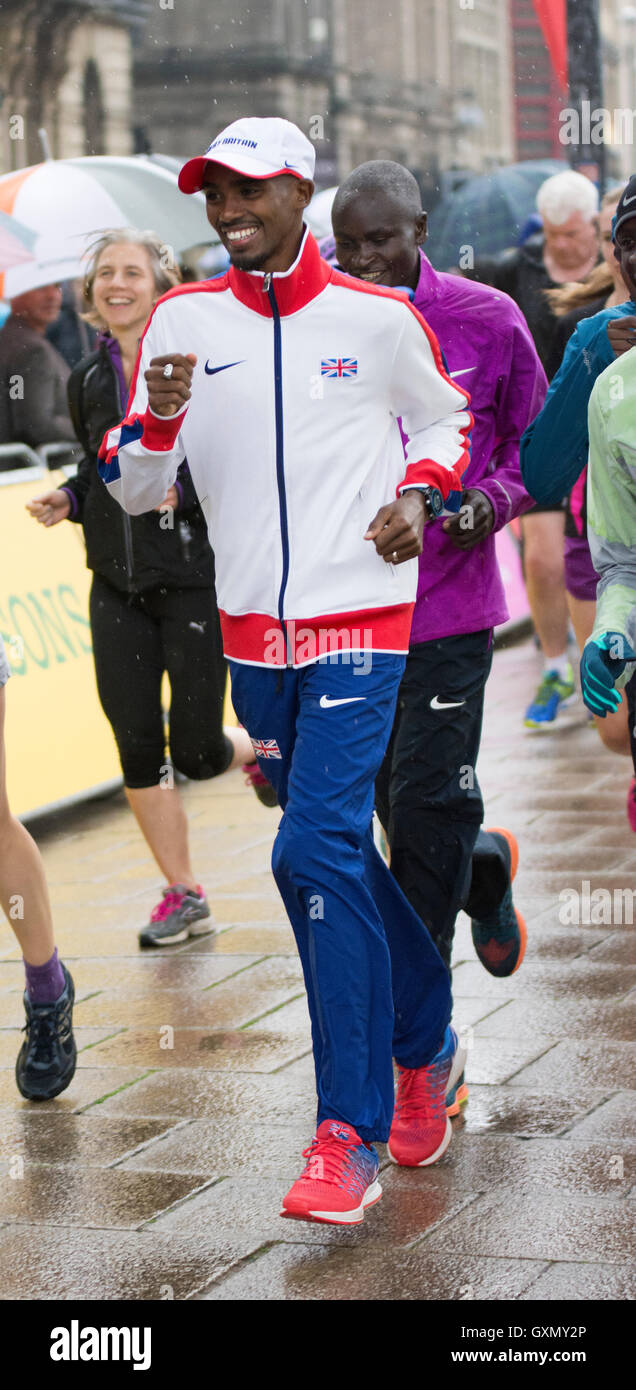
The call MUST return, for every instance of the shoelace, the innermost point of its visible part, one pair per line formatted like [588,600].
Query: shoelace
[336,1156]
[171,900]
[41,1033]
[420,1090]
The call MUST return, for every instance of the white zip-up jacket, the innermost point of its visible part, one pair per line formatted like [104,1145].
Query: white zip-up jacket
[292,439]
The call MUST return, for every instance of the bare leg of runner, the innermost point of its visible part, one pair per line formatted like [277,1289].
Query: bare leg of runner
[614,730]
[545,579]
[46,1062]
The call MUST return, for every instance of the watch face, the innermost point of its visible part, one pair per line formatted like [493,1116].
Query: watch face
[436,501]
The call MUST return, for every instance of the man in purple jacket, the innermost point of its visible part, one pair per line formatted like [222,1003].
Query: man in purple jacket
[427,795]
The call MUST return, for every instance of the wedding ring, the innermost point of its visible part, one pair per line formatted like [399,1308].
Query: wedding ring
[394,555]
[168,369]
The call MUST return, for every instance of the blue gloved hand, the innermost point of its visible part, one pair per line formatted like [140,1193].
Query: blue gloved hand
[602,663]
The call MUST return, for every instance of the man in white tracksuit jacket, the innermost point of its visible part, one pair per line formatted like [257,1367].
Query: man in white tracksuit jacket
[282,382]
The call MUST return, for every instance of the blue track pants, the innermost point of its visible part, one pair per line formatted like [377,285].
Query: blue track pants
[376,984]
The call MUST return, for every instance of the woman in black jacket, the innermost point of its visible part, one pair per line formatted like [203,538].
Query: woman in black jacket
[152,603]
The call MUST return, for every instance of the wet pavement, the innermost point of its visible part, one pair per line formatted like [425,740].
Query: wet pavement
[158,1174]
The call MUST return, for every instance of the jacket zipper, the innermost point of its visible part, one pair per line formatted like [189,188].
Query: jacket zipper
[126,519]
[268,289]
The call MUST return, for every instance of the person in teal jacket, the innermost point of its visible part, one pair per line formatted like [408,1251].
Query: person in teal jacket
[554,452]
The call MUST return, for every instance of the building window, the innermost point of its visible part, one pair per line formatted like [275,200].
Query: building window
[94,115]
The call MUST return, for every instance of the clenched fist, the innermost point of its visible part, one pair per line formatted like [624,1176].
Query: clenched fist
[622,333]
[50,508]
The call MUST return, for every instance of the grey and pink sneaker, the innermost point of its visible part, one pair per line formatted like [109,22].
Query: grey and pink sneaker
[264,789]
[180,914]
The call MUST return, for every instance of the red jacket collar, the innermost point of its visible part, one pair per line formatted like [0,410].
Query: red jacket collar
[293,288]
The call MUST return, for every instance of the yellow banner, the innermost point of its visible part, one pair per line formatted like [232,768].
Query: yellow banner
[59,743]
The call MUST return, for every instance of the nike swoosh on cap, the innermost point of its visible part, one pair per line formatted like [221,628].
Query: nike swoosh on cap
[326,703]
[436,703]
[211,370]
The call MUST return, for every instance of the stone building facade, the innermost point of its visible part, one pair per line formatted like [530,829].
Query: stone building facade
[426,82]
[66,67]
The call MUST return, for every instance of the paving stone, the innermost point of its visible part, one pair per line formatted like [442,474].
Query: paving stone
[548,883]
[66,1263]
[62,1137]
[235,1100]
[495,1059]
[66,1196]
[619,948]
[89,1086]
[589,1283]
[577,1065]
[220,1149]
[268,938]
[614,1121]
[557,1018]
[513,1110]
[550,1227]
[548,940]
[544,980]
[470,1012]
[262,906]
[230,1003]
[263,1046]
[296,1273]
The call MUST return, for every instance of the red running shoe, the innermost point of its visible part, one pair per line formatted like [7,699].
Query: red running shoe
[421,1130]
[340,1179]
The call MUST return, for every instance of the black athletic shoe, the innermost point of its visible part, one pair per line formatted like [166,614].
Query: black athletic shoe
[47,1058]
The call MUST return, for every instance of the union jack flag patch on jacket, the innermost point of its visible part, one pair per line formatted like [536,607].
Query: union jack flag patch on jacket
[266,748]
[339,366]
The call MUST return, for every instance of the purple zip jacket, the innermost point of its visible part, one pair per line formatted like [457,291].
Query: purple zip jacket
[489,350]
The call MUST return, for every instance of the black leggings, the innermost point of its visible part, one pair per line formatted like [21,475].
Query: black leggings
[134,641]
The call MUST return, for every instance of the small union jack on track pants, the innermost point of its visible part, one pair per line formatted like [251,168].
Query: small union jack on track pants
[376,985]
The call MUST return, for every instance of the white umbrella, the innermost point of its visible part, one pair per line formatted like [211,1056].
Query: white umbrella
[16,242]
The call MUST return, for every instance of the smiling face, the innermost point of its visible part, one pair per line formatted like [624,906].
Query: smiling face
[625,253]
[124,289]
[259,221]
[378,238]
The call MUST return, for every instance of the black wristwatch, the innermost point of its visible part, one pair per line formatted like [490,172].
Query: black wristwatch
[433,500]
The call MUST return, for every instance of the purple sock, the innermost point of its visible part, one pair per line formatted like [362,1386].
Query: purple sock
[44,983]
